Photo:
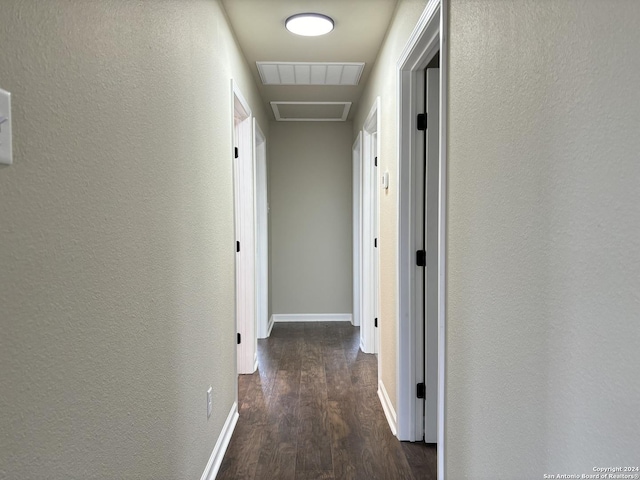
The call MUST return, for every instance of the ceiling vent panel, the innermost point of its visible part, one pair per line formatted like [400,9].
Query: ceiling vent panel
[311,111]
[303,74]
[350,75]
[287,74]
[318,74]
[270,74]
[310,73]
[334,74]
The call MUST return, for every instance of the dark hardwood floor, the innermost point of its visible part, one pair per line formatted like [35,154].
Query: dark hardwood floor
[312,412]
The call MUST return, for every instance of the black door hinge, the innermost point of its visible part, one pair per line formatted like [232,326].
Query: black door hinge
[236,153]
[239,339]
[375,322]
[420,390]
[421,258]
[422,121]
[375,243]
[376,161]
[237,246]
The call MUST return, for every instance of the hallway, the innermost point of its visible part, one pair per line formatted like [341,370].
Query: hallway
[311,411]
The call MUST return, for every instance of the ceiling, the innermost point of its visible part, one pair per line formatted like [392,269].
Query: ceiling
[360,27]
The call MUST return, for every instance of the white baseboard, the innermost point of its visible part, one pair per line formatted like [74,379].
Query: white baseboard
[271,322]
[313,317]
[213,465]
[389,412]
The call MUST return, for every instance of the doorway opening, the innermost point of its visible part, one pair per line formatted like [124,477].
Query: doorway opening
[422,231]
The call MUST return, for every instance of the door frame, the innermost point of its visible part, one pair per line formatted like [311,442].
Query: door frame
[262,231]
[245,221]
[356,154]
[428,37]
[370,213]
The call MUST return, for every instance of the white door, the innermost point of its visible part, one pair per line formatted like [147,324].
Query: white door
[244,196]
[262,233]
[367,336]
[431,209]
[375,186]
[370,319]
[357,229]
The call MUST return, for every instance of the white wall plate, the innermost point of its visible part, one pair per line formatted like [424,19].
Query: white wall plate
[6,151]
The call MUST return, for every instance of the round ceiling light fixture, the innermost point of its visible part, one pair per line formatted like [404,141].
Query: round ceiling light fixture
[309,24]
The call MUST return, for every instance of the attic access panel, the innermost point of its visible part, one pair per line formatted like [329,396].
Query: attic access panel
[310,73]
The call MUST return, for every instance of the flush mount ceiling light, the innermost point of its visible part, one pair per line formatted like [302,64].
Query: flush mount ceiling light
[309,24]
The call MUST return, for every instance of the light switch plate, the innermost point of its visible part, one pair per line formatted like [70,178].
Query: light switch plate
[385,180]
[6,151]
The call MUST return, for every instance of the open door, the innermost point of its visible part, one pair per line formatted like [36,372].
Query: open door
[370,318]
[244,206]
[262,233]
[430,235]
[356,152]
[375,186]
[427,255]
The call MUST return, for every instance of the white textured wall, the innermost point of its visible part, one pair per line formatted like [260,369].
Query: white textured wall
[310,217]
[383,82]
[116,237]
[543,254]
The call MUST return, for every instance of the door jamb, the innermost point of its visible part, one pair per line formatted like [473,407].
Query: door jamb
[428,37]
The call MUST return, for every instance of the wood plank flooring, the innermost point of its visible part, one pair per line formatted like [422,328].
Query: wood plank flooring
[312,412]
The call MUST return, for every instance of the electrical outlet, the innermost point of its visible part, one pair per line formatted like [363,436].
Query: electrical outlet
[209,401]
